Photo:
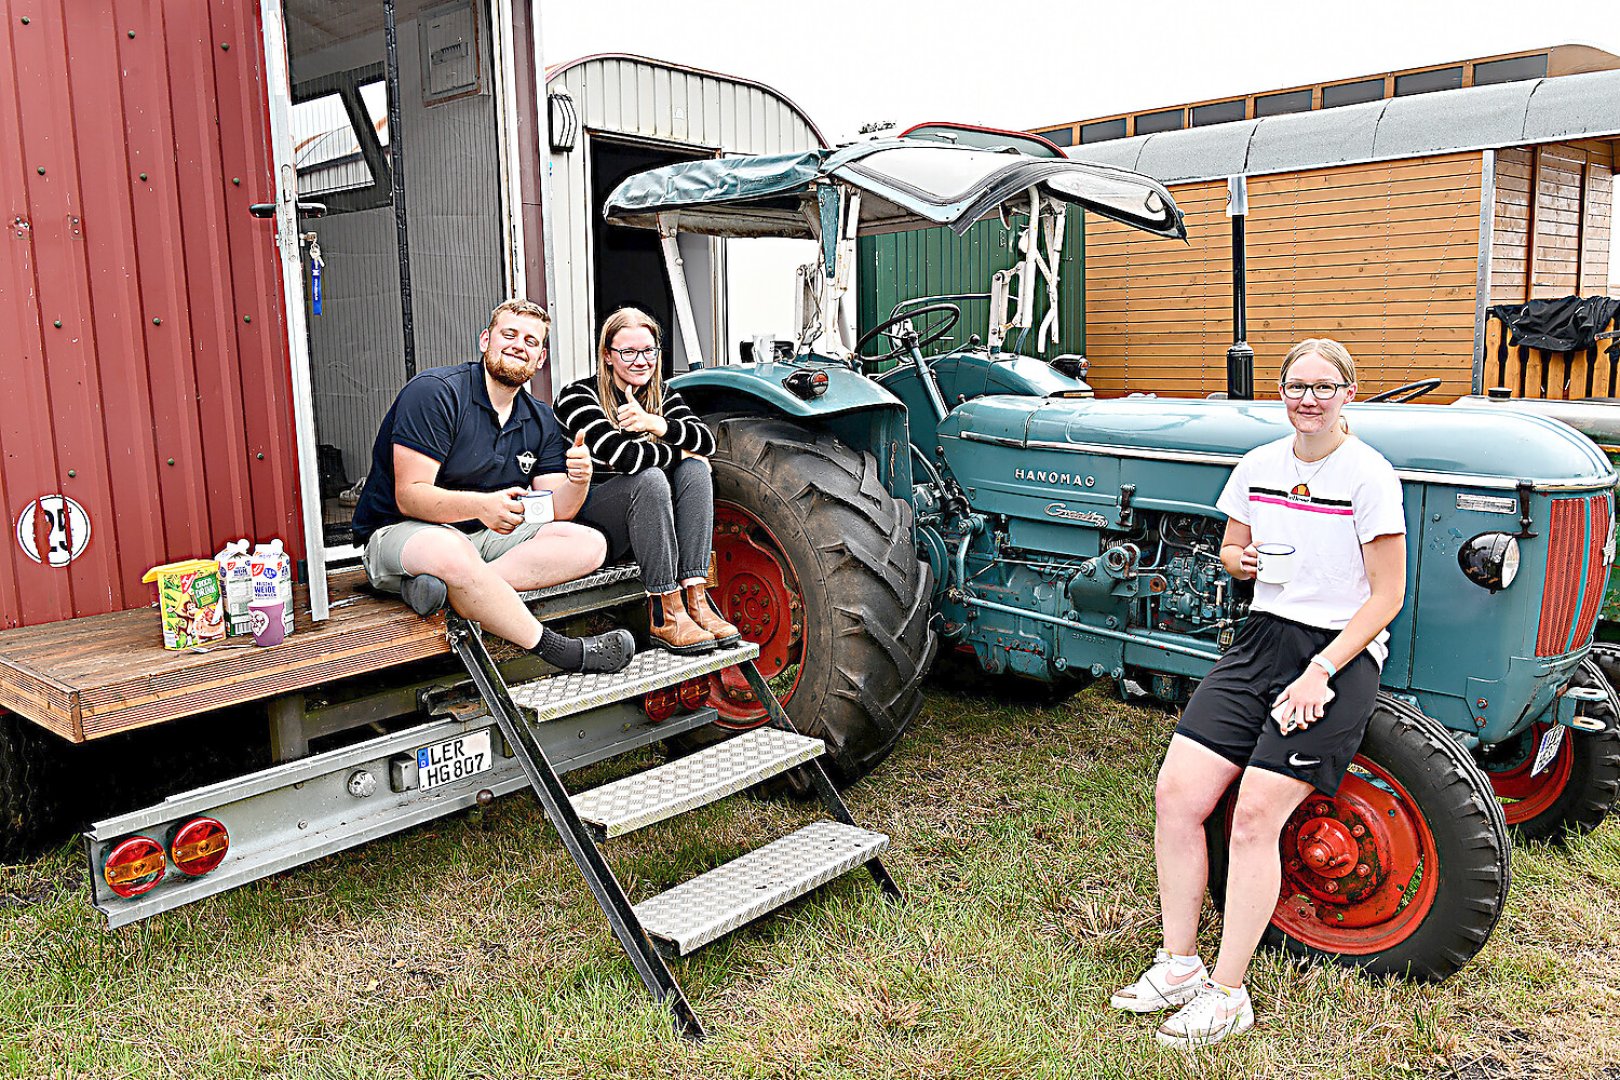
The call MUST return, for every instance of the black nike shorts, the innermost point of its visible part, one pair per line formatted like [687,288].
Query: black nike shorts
[1230,712]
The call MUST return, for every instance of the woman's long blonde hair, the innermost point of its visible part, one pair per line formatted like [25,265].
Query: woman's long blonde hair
[1329,350]
[652,395]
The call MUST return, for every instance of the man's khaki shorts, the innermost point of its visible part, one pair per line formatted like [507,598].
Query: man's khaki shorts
[385,547]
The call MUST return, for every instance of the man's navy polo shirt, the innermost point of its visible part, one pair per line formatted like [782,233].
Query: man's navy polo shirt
[445,413]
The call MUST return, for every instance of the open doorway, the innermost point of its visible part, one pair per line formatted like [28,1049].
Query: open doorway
[627,265]
[362,346]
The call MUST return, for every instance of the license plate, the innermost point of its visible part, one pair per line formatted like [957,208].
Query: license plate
[452,760]
[1551,740]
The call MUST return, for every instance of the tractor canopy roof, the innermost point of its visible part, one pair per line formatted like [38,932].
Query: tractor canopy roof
[906,183]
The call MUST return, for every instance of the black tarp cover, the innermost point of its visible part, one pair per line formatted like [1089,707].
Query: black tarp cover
[1564,324]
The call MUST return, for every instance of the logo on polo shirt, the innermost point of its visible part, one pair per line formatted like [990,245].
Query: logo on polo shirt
[525,461]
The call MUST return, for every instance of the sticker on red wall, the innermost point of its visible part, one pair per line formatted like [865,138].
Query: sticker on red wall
[53,529]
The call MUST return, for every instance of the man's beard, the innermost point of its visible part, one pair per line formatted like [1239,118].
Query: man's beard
[508,371]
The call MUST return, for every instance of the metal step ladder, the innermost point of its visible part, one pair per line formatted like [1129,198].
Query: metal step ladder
[711,905]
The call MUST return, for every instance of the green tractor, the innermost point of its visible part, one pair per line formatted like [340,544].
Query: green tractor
[987,503]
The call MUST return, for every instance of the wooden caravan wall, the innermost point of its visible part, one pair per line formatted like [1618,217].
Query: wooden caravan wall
[1380,256]
[1567,226]
[144,367]
[1556,244]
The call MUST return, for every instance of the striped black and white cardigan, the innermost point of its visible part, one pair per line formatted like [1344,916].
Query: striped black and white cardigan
[616,452]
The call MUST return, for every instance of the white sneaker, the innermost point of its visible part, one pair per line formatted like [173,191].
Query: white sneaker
[1165,985]
[1209,1017]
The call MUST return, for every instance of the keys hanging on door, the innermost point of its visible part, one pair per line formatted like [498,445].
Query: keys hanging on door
[317,267]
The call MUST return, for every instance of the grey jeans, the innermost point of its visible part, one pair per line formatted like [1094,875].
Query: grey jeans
[664,518]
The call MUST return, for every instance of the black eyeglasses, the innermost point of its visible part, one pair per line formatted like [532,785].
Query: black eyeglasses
[647,355]
[1294,391]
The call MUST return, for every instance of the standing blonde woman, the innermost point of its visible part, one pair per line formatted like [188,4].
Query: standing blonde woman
[652,492]
[1284,710]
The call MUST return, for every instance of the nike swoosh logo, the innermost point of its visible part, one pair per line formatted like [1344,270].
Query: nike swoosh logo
[1178,980]
[1303,762]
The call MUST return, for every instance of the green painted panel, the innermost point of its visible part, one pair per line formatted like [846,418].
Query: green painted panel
[936,262]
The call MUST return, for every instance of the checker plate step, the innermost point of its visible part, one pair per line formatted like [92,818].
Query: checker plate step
[693,781]
[651,669]
[608,575]
[712,905]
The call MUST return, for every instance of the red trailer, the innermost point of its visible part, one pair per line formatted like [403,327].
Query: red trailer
[179,375]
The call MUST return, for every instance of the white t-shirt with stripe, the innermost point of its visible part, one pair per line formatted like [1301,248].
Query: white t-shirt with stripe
[1326,509]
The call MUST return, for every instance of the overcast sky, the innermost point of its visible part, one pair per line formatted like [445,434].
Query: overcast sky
[1026,65]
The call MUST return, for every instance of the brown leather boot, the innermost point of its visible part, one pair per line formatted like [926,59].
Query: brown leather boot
[672,628]
[707,615]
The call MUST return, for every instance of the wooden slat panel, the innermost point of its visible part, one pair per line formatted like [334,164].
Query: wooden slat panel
[1380,256]
[91,677]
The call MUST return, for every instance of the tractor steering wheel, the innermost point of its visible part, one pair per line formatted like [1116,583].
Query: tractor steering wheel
[1400,395]
[907,340]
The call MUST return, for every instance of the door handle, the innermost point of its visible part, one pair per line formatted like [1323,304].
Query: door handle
[305,209]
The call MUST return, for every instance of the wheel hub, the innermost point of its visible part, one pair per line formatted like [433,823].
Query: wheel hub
[1348,859]
[759,594]
[1327,848]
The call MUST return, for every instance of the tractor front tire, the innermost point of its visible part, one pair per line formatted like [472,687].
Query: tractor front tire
[816,561]
[1577,788]
[1404,871]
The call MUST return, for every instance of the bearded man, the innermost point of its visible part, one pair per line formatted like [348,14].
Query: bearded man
[442,514]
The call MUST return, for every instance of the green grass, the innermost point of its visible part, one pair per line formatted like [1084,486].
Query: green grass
[470,948]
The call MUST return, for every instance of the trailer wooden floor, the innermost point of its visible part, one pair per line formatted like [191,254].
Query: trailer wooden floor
[86,678]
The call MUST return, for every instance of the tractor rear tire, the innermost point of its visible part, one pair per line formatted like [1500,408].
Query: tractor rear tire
[1577,789]
[804,519]
[1418,891]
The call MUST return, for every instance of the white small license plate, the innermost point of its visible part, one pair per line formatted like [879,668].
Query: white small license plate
[452,760]
[1551,740]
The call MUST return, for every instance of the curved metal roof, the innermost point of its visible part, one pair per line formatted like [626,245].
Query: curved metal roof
[1474,118]
[555,71]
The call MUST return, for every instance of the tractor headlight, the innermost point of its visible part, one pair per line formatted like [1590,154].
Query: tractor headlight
[1490,560]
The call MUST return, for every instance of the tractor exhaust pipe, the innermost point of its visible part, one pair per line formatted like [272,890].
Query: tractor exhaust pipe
[1239,358]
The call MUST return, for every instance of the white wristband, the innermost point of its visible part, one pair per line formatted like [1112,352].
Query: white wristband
[1325,664]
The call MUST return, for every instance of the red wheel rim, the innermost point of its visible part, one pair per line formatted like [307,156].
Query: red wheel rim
[1360,871]
[759,593]
[1525,797]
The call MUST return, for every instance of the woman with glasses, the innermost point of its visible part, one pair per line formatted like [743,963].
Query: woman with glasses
[651,494]
[1284,709]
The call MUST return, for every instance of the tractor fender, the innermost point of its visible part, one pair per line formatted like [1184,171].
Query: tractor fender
[731,386]
[854,409]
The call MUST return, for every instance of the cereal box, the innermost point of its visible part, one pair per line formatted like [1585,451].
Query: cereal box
[190,601]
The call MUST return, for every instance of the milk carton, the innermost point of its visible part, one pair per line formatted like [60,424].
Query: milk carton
[236,578]
[270,571]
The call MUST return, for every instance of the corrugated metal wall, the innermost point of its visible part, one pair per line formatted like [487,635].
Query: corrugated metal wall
[645,99]
[1381,256]
[934,262]
[145,362]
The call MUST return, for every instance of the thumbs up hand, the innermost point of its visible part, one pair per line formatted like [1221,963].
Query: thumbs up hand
[633,418]
[578,461]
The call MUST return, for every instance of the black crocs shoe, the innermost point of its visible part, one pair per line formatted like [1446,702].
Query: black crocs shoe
[424,594]
[607,653]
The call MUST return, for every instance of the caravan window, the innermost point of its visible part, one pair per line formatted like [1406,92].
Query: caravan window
[340,141]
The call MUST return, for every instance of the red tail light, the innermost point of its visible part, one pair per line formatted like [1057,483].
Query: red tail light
[660,705]
[134,866]
[199,846]
[694,693]
[1577,534]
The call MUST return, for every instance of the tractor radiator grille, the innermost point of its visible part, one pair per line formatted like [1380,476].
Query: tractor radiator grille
[1576,573]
